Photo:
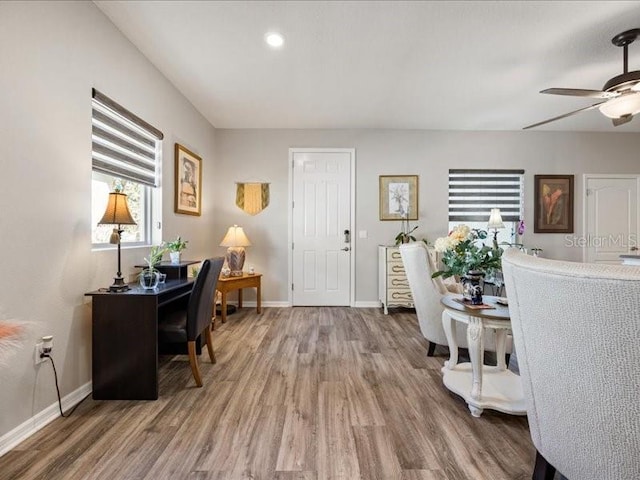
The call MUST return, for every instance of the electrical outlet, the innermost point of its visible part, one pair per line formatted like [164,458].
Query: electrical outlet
[38,351]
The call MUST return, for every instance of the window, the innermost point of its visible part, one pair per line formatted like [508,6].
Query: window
[473,193]
[126,152]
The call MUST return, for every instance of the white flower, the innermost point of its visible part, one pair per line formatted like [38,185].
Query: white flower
[443,244]
[460,233]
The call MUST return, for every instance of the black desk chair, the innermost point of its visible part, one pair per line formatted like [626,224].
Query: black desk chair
[186,325]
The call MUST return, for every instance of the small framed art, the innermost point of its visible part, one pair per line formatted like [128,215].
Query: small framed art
[398,197]
[188,173]
[553,204]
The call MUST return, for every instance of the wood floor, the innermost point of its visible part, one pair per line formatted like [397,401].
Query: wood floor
[297,393]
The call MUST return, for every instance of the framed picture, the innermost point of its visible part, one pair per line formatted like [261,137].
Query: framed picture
[398,197]
[188,199]
[553,209]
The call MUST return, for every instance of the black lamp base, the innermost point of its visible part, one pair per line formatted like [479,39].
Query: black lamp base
[119,285]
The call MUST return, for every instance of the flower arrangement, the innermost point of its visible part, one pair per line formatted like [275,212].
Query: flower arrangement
[155,257]
[177,245]
[150,276]
[405,232]
[462,253]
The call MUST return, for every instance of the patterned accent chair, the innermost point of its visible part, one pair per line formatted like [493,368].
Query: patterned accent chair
[575,328]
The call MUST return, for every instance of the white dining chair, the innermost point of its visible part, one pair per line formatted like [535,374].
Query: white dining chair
[575,328]
[427,292]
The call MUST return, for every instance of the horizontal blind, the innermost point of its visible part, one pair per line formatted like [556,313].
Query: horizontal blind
[473,193]
[123,145]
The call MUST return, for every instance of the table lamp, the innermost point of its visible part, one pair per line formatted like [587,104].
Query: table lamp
[495,223]
[235,240]
[117,213]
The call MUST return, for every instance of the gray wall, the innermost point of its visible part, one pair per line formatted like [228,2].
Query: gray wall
[263,155]
[51,54]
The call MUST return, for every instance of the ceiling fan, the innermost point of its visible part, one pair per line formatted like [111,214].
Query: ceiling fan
[621,93]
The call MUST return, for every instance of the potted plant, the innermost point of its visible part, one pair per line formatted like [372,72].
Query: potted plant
[175,249]
[150,276]
[405,232]
[464,256]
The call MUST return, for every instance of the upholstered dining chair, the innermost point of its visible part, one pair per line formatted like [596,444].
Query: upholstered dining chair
[186,325]
[427,292]
[575,328]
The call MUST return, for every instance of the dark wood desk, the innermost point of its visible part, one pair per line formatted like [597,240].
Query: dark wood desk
[174,271]
[125,339]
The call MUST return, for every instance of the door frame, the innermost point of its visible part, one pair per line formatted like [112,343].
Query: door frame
[352,215]
[585,203]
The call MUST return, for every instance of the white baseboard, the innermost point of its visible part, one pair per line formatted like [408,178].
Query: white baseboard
[252,304]
[369,304]
[41,419]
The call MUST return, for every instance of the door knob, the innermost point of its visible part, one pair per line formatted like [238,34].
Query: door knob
[633,249]
[345,249]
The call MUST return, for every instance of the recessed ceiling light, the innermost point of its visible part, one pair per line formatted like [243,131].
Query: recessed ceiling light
[274,39]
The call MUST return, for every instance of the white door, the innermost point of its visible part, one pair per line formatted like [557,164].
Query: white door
[321,227]
[611,217]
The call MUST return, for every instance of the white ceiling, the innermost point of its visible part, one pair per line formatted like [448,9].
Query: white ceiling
[364,64]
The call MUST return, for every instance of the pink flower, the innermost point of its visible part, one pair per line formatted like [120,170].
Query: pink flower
[521,227]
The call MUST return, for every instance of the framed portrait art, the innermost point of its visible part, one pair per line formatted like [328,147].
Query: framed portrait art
[398,197]
[188,172]
[553,206]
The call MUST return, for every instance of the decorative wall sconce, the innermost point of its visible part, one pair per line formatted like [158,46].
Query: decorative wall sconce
[252,197]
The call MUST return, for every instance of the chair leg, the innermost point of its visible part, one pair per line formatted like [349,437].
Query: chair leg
[209,340]
[193,361]
[432,349]
[507,357]
[543,470]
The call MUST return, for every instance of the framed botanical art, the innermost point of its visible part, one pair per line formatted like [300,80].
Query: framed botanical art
[398,197]
[188,173]
[553,207]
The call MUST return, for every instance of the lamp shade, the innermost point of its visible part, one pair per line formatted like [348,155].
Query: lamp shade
[625,104]
[235,237]
[495,219]
[252,197]
[117,211]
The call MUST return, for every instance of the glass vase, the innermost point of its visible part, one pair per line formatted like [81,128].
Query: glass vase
[149,279]
[472,287]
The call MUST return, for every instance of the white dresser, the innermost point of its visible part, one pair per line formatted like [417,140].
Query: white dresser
[393,286]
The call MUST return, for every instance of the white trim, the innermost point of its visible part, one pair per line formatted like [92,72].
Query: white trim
[286,304]
[587,176]
[369,304]
[27,428]
[253,304]
[352,267]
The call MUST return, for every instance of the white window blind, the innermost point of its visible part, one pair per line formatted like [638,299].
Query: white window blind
[123,145]
[473,193]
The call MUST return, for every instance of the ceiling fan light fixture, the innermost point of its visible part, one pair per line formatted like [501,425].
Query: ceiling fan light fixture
[621,106]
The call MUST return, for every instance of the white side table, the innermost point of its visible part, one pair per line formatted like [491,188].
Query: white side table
[482,386]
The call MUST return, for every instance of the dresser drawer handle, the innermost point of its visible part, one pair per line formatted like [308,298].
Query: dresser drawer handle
[401,296]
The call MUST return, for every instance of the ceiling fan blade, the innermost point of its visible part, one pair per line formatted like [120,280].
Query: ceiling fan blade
[595,105]
[622,120]
[579,92]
